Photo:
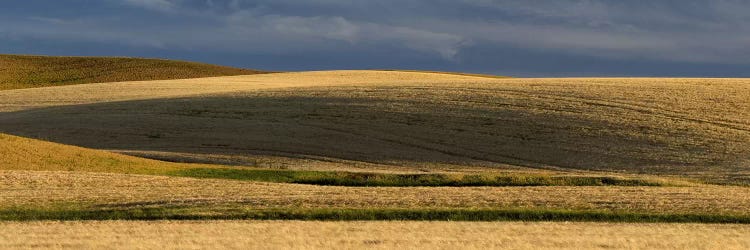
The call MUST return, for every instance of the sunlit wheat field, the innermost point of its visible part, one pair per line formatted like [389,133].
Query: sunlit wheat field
[407,151]
[371,235]
[406,121]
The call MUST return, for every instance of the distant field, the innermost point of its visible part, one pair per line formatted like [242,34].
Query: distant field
[377,235]
[19,71]
[448,73]
[411,122]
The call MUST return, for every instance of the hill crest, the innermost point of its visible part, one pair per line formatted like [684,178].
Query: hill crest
[31,71]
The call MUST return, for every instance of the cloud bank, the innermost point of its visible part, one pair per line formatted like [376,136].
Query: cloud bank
[446,34]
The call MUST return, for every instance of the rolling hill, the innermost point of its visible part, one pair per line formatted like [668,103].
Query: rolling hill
[407,121]
[21,71]
[29,154]
[378,145]
[44,180]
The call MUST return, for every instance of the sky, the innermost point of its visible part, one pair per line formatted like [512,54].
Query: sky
[523,38]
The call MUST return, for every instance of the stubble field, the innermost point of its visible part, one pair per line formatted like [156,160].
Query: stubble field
[406,121]
[371,235]
[381,145]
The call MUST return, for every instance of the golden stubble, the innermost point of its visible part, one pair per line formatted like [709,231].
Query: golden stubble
[371,235]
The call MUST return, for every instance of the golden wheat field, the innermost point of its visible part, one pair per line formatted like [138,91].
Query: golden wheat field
[51,189]
[370,235]
[377,145]
[411,121]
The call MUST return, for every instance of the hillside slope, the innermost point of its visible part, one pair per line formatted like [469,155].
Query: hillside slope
[43,180]
[57,180]
[688,127]
[20,71]
[28,154]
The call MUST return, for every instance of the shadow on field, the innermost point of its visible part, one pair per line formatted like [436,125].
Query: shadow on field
[388,126]
[407,180]
[178,213]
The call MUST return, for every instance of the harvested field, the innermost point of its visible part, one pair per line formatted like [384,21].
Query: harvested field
[373,235]
[28,154]
[100,152]
[382,128]
[408,121]
[25,99]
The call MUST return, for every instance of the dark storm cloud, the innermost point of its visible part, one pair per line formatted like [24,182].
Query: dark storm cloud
[556,37]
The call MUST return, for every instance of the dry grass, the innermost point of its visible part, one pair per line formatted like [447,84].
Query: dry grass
[411,121]
[371,235]
[17,71]
[41,189]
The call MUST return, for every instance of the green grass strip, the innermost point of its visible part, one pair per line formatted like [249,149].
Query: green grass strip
[366,214]
[406,180]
